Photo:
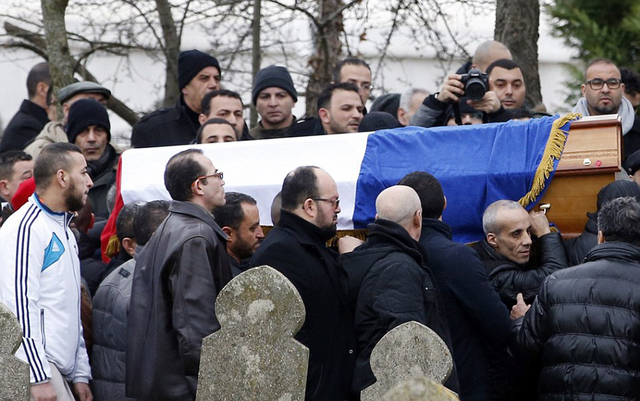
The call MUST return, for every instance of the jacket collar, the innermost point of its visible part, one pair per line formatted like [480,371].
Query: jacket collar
[197,211]
[307,232]
[385,232]
[437,227]
[34,110]
[63,218]
[614,250]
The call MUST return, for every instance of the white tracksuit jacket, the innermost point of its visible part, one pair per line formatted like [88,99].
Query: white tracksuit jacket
[40,283]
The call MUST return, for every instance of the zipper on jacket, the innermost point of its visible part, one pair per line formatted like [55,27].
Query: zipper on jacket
[44,338]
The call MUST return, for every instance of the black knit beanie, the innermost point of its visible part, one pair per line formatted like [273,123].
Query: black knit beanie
[273,76]
[84,113]
[377,120]
[191,62]
[618,189]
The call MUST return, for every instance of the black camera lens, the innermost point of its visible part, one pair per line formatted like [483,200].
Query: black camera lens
[475,89]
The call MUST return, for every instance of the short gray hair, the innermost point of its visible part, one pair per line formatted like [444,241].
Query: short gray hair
[405,99]
[489,218]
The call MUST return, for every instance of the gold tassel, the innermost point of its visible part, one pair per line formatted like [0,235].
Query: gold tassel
[553,151]
[113,246]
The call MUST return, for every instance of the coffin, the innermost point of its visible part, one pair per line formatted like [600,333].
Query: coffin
[592,156]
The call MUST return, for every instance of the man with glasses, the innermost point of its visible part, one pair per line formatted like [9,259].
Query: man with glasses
[602,94]
[354,71]
[297,248]
[178,275]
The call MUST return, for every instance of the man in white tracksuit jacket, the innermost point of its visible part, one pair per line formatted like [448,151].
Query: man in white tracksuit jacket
[40,275]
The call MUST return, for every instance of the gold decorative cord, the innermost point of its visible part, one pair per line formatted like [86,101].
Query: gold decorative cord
[552,152]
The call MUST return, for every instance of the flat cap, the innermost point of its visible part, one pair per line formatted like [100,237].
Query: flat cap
[70,91]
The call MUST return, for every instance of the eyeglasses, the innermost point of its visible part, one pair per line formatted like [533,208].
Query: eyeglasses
[334,202]
[218,174]
[597,83]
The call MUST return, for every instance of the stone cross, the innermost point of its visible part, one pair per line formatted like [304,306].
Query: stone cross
[14,373]
[254,355]
[420,389]
[411,350]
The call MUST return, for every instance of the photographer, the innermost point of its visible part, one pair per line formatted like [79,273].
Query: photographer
[433,111]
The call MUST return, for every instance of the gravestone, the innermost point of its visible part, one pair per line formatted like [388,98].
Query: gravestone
[420,389]
[411,350]
[254,355]
[14,373]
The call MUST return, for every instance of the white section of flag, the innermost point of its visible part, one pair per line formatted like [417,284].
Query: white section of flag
[256,168]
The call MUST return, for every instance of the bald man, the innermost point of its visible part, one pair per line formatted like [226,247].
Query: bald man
[389,282]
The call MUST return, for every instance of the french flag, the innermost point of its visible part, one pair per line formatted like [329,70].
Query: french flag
[476,165]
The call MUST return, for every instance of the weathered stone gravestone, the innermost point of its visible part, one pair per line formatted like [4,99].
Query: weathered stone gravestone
[420,389]
[411,350]
[254,355]
[14,373]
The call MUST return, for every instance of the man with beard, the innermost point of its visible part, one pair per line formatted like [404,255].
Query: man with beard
[239,218]
[89,128]
[297,248]
[40,274]
[602,94]
[340,108]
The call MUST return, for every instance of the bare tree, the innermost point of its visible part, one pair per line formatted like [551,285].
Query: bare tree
[517,26]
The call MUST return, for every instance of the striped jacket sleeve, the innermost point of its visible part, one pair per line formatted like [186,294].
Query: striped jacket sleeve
[21,263]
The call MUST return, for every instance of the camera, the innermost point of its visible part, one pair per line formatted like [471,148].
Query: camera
[476,84]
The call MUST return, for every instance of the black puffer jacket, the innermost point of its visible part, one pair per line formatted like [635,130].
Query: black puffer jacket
[509,278]
[390,284]
[585,323]
[577,248]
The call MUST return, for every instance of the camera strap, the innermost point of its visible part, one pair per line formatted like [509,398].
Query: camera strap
[456,113]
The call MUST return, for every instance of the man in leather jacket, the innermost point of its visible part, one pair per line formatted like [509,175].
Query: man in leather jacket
[178,275]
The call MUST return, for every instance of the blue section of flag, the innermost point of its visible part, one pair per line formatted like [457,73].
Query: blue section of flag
[476,165]
[53,252]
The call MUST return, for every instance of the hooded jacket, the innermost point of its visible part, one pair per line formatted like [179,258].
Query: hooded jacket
[390,284]
[585,326]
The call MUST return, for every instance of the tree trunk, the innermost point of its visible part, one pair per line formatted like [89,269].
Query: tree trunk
[55,30]
[327,50]
[256,54]
[171,51]
[517,24]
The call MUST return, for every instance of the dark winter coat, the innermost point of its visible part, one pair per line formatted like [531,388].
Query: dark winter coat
[177,278]
[509,278]
[585,324]
[298,250]
[110,309]
[175,125]
[390,283]
[477,318]
[25,125]
[577,248]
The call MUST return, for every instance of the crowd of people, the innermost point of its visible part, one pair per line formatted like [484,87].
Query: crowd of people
[525,313]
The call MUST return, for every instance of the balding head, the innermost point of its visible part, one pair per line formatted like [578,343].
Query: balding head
[488,52]
[401,204]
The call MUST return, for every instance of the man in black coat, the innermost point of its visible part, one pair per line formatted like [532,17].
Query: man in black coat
[198,74]
[27,123]
[178,276]
[297,248]
[477,318]
[389,282]
[506,250]
[585,322]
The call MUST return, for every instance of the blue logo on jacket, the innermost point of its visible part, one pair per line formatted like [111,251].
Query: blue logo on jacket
[54,251]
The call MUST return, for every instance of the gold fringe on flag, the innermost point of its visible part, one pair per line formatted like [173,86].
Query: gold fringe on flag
[552,152]
[113,246]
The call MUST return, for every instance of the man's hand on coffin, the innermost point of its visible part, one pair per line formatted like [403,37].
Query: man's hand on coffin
[539,223]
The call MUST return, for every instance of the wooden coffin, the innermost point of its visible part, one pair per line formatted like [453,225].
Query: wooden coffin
[592,156]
